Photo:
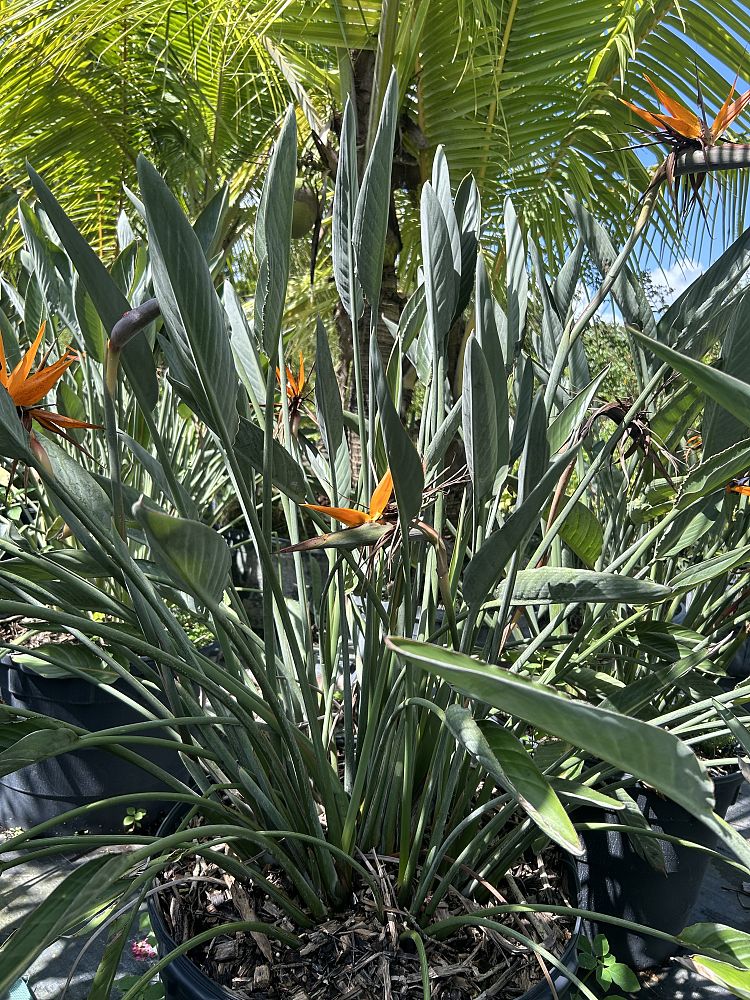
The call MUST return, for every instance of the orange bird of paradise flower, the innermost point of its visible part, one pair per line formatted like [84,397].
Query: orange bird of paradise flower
[296,392]
[741,486]
[682,129]
[682,126]
[355,518]
[27,389]
[295,384]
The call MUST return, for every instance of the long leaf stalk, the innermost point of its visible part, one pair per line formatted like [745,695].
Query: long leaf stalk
[111,386]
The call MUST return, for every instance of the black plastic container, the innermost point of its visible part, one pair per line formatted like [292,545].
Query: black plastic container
[43,791]
[617,881]
[183,980]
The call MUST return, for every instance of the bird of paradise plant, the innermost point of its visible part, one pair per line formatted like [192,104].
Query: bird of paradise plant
[365,730]
[28,389]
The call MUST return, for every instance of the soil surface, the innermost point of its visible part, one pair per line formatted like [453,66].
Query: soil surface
[357,954]
[25,632]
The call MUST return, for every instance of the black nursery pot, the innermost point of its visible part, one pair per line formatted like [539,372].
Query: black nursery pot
[617,881]
[42,791]
[183,980]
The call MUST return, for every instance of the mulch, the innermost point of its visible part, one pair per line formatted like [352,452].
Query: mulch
[355,955]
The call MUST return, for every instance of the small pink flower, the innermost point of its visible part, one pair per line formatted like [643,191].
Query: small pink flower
[142,951]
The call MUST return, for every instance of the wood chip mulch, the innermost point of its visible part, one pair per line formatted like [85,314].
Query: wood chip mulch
[354,955]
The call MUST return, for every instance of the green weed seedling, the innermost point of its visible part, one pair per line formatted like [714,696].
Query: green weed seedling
[133,818]
[599,963]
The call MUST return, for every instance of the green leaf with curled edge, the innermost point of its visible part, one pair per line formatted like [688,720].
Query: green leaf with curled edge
[479,420]
[709,569]
[187,297]
[647,848]
[737,981]
[193,555]
[727,943]
[582,532]
[344,204]
[273,233]
[370,223]
[107,299]
[652,754]
[561,585]
[440,277]
[517,284]
[66,659]
[510,762]
[35,747]
[579,794]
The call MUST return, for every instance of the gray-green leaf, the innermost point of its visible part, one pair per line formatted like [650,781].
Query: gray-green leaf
[371,214]
[195,556]
[639,748]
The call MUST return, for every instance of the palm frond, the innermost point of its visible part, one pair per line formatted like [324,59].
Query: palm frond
[522,94]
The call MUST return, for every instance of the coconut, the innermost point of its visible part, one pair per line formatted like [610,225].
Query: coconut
[305,210]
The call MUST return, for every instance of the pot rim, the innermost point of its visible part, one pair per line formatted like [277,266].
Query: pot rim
[8,660]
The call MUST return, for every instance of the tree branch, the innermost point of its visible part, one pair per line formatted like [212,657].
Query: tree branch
[730,156]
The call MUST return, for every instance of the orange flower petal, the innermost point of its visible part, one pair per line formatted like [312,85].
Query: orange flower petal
[717,128]
[744,490]
[45,417]
[36,386]
[645,115]
[677,111]
[347,515]
[20,372]
[381,496]
[663,123]
[728,112]
[291,383]
[294,383]
[289,380]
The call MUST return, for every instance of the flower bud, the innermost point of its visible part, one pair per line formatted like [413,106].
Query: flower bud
[132,322]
